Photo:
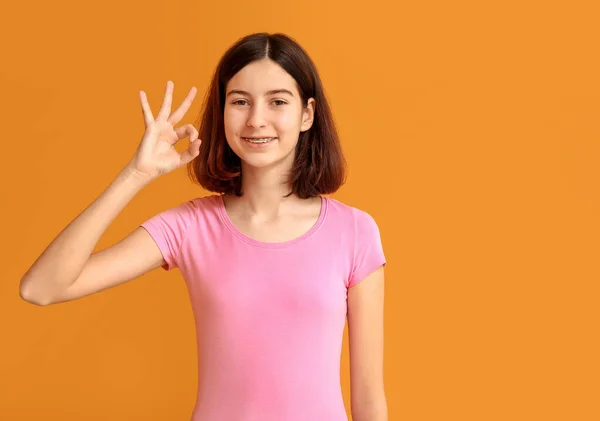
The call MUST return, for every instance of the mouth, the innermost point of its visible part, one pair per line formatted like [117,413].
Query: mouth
[259,140]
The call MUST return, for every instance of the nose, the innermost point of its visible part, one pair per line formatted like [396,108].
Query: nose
[256,117]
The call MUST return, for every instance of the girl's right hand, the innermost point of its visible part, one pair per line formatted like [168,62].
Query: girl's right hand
[156,154]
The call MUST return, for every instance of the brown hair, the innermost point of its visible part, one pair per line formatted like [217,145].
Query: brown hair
[319,165]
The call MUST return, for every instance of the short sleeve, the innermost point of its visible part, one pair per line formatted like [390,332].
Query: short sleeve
[368,250]
[168,230]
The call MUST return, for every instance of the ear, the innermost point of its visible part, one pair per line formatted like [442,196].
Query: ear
[308,115]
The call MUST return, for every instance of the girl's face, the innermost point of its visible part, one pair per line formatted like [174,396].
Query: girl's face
[264,115]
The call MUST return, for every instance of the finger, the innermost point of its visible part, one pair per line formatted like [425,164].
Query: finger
[148,118]
[165,109]
[184,107]
[185,131]
[192,152]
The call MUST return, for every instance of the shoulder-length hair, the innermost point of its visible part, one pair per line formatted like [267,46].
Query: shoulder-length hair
[319,165]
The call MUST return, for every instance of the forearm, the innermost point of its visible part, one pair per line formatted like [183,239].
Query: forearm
[64,259]
[375,410]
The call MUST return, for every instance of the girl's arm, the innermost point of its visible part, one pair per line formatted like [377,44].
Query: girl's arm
[365,334]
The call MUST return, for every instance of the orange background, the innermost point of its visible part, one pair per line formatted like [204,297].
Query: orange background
[472,133]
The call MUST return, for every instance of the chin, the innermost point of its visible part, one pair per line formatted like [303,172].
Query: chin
[260,161]
[267,160]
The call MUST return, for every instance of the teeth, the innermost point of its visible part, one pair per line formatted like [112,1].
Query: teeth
[261,140]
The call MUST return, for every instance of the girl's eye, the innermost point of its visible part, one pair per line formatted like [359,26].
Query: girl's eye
[277,102]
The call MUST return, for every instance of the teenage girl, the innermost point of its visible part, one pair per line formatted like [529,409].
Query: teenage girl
[273,267]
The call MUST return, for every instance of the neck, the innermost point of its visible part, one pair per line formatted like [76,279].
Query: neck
[264,190]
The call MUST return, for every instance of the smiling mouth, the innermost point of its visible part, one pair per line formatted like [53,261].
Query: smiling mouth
[259,140]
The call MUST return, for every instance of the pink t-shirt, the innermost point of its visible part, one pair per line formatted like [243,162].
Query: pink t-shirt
[269,316]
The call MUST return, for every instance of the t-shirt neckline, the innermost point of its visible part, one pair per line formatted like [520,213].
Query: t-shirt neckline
[229,224]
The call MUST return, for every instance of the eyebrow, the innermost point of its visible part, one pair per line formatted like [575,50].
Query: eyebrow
[271,92]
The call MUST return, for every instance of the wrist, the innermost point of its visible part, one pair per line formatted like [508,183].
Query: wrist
[134,176]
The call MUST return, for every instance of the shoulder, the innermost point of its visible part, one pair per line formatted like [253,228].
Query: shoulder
[202,203]
[349,215]
[189,210]
[209,202]
[364,246]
